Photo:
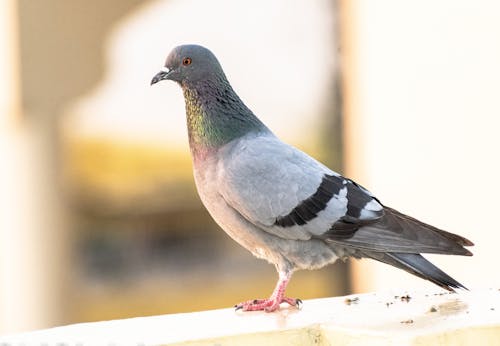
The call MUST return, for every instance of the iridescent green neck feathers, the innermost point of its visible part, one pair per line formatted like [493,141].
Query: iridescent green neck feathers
[216,115]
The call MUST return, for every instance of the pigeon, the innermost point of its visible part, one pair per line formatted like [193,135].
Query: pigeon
[280,203]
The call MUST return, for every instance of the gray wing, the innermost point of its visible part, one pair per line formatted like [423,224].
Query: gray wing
[287,193]
[398,233]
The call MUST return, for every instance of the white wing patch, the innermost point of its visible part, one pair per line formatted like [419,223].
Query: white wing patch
[371,210]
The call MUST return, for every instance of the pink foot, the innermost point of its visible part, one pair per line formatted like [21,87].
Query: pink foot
[267,305]
[273,303]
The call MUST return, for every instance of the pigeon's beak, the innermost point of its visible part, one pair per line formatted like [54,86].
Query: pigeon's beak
[163,74]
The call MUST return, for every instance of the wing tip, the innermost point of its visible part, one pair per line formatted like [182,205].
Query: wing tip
[457,240]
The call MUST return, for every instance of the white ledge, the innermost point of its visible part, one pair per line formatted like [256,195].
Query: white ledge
[396,318]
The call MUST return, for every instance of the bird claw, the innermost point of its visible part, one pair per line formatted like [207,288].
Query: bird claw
[267,305]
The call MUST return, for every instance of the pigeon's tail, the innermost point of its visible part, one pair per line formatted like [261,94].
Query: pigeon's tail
[417,265]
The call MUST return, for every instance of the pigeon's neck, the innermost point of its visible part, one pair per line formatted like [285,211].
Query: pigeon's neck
[216,116]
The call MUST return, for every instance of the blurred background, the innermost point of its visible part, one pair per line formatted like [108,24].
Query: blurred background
[99,217]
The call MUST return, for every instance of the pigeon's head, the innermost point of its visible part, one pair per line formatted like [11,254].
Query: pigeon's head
[189,63]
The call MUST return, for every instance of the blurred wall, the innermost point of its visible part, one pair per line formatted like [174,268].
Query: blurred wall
[49,53]
[28,292]
[422,121]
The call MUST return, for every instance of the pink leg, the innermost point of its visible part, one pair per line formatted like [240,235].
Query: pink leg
[273,302]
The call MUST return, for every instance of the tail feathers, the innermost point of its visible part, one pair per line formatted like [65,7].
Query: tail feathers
[417,265]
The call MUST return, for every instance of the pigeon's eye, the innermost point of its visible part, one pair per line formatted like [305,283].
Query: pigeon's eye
[186,61]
